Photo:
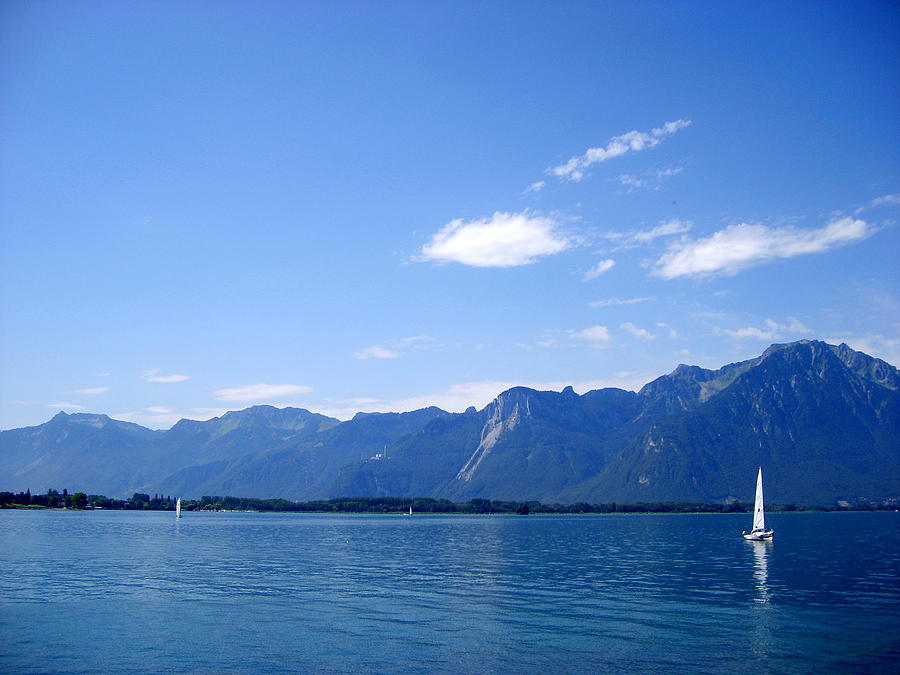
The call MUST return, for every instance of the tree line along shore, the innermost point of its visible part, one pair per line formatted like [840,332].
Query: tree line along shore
[53,499]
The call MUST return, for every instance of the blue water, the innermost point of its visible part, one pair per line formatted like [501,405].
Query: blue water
[88,592]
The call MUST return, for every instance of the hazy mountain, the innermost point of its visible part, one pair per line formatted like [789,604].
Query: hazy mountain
[76,450]
[823,421]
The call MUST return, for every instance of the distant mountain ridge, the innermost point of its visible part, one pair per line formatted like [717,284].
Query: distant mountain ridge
[822,420]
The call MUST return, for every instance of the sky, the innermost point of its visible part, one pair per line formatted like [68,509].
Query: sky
[358,206]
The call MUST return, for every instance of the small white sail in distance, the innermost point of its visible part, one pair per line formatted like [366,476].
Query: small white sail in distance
[178,508]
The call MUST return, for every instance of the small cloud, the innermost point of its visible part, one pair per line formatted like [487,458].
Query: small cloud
[613,302]
[154,376]
[600,268]
[625,240]
[650,180]
[102,374]
[672,332]
[503,240]
[65,405]
[395,348]
[537,186]
[665,229]
[637,331]
[261,392]
[771,331]
[597,335]
[91,391]
[376,352]
[160,410]
[633,141]
[887,199]
[741,246]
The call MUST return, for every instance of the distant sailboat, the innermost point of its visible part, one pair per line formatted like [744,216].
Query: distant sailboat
[178,508]
[759,531]
[410,510]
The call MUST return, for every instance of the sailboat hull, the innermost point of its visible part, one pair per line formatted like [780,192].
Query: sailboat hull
[763,535]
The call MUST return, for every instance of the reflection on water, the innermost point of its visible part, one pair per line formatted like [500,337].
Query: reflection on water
[761,569]
[762,628]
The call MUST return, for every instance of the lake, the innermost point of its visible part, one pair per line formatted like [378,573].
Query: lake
[124,591]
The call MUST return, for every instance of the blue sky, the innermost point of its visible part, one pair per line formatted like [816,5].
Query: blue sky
[380,206]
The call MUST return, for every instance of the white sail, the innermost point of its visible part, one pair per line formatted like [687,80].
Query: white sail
[759,515]
[178,508]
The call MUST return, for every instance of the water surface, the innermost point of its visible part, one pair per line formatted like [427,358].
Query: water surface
[102,591]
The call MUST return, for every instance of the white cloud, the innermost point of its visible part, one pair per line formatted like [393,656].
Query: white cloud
[397,347]
[154,376]
[503,240]
[650,180]
[597,335]
[160,410]
[91,391]
[613,302]
[740,246]
[633,141]
[665,229]
[637,331]
[625,240]
[886,200]
[261,392]
[771,331]
[600,268]
[376,352]
[537,186]
[65,405]
[672,332]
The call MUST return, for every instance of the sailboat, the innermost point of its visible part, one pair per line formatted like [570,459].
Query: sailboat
[759,531]
[410,510]
[178,508]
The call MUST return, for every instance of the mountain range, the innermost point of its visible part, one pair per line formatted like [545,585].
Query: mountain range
[822,420]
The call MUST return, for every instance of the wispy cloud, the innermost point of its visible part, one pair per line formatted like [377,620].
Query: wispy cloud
[635,238]
[601,267]
[154,376]
[376,352]
[647,180]
[392,349]
[771,330]
[503,240]
[261,392]
[633,141]
[537,186]
[672,332]
[637,331]
[91,391]
[65,405]
[614,302]
[741,246]
[596,335]
[885,200]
